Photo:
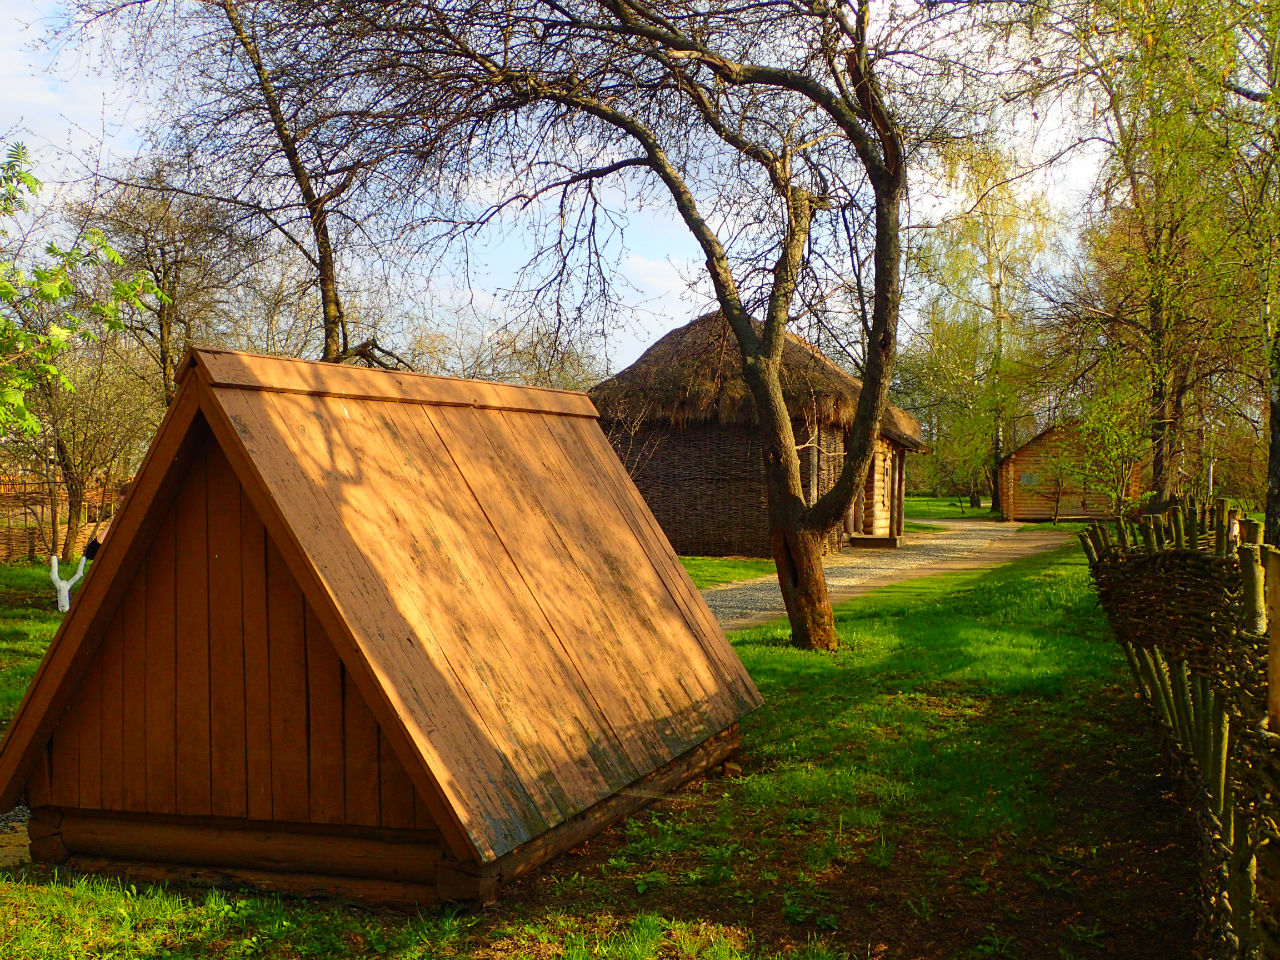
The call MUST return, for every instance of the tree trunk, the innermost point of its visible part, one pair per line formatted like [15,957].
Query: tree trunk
[798,554]
[1273,452]
[75,499]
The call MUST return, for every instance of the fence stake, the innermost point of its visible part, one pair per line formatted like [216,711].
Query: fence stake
[1090,554]
[1220,527]
[1255,600]
[1250,531]
[1179,532]
[1148,535]
[1122,535]
[1273,638]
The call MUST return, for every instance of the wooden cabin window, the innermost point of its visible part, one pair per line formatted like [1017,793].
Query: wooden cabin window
[1029,479]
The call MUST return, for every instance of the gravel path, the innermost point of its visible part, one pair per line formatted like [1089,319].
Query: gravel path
[964,545]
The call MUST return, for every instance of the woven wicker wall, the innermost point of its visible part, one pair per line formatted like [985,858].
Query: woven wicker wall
[705,484]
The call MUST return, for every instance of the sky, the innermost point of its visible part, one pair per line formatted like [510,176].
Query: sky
[72,116]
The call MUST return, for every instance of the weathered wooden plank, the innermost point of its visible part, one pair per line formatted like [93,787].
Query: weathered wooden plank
[39,783]
[194,778]
[287,647]
[282,376]
[438,615]
[133,734]
[111,656]
[360,758]
[622,563]
[90,727]
[161,692]
[505,485]
[587,442]
[326,793]
[257,666]
[526,677]
[389,893]
[229,796]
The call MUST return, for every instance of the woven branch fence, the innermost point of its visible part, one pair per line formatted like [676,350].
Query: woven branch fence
[1193,598]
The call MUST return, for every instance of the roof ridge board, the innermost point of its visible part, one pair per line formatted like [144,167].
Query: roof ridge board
[235,369]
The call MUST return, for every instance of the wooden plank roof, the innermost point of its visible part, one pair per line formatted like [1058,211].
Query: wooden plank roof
[493,582]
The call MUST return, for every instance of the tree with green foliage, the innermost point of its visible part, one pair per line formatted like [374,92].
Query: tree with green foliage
[974,271]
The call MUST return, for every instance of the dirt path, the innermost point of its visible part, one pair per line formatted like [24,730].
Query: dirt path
[963,545]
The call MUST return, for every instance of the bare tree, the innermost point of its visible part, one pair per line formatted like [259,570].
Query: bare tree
[780,134]
[285,148]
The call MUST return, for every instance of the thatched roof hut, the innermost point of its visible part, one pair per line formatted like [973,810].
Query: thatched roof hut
[683,420]
[693,375]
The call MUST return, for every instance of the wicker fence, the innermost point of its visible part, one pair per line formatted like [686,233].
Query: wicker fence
[33,518]
[1193,598]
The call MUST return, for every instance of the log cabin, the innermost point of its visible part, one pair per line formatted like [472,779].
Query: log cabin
[1037,481]
[369,634]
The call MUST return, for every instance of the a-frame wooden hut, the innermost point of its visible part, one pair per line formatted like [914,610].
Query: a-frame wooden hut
[370,634]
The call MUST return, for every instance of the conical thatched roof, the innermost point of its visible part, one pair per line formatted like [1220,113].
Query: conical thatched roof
[694,375]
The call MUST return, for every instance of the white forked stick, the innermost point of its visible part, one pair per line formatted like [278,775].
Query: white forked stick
[64,586]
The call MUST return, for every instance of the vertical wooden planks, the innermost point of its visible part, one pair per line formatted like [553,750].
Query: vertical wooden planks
[360,757]
[64,756]
[229,797]
[396,793]
[287,651]
[324,710]
[160,670]
[91,737]
[112,659]
[133,732]
[257,667]
[194,787]
[38,784]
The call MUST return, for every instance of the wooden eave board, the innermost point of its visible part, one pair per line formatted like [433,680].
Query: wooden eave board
[525,625]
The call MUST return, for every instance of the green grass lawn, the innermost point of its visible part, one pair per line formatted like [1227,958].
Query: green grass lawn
[944,508]
[710,571]
[28,620]
[970,777]
[911,526]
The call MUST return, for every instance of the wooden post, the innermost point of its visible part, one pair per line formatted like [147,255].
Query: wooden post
[1090,553]
[1099,547]
[1179,531]
[902,489]
[1250,531]
[1254,601]
[1272,560]
[1220,527]
[1157,527]
[1148,535]
[1122,535]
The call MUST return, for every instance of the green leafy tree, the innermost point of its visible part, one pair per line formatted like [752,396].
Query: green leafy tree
[974,274]
[42,306]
